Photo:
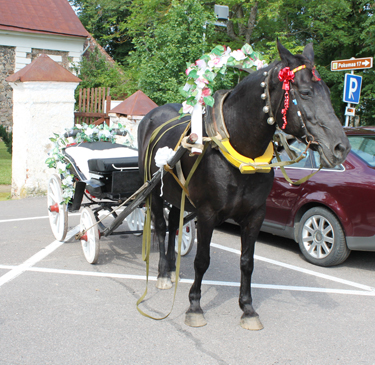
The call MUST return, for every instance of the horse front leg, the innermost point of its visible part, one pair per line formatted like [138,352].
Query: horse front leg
[194,315]
[249,233]
[164,280]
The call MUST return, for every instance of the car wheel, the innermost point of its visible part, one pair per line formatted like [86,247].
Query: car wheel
[321,238]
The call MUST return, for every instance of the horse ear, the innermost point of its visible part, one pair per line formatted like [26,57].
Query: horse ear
[308,52]
[285,55]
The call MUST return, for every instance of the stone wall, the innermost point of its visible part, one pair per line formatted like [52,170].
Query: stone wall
[7,66]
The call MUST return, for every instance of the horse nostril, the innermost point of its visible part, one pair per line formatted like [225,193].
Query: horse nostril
[339,150]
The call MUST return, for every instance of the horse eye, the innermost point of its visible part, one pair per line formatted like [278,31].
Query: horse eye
[305,94]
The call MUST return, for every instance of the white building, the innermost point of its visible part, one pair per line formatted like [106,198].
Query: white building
[29,28]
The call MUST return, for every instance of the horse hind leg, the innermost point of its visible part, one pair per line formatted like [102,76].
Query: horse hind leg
[163,280]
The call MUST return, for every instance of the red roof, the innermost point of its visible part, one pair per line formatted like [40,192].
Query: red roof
[137,104]
[43,68]
[41,16]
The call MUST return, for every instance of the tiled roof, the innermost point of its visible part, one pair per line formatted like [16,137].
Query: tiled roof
[137,104]
[40,16]
[43,68]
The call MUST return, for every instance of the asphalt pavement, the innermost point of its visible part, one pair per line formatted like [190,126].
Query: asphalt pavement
[55,308]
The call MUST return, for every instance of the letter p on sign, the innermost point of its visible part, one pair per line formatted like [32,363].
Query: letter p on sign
[352,88]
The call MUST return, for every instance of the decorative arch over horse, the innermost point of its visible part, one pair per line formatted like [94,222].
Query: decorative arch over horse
[218,190]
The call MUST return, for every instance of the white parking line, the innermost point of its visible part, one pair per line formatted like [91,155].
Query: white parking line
[18,270]
[28,266]
[30,218]
[296,268]
[190,281]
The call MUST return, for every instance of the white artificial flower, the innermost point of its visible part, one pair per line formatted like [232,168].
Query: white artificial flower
[68,180]
[89,131]
[67,193]
[187,87]
[238,55]
[201,82]
[105,132]
[260,64]
[216,61]
[61,166]
[186,108]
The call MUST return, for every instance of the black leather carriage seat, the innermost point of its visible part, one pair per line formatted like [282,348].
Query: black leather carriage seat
[106,165]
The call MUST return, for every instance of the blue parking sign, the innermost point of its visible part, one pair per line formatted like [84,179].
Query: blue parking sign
[352,88]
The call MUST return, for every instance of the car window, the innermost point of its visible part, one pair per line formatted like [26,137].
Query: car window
[364,147]
[316,158]
[299,148]
[312,159]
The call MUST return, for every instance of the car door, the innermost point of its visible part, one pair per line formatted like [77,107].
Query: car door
[284,195]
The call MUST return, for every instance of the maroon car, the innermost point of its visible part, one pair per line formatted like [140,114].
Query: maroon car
[333,212]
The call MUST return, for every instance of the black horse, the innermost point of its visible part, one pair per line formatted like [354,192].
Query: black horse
[218,190]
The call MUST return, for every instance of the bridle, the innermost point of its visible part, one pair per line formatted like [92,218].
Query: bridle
[286,76]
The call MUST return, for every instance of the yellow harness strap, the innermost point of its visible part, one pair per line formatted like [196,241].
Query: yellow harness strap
[245,164]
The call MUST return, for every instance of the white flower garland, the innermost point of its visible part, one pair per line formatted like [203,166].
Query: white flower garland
[198,88]
[85,133]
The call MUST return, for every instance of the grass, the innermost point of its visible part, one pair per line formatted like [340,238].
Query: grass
[4,196]
[5,169]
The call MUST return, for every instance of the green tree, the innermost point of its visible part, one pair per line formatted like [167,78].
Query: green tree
[95,71]
[158,64]
[106,21]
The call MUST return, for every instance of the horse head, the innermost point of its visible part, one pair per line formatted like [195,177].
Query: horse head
[307,112]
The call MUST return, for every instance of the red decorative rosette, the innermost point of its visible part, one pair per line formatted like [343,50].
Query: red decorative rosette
[285,76]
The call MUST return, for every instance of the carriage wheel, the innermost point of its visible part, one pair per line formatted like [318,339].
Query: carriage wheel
[57,212]
[90,240]
[136,220]
[188,238]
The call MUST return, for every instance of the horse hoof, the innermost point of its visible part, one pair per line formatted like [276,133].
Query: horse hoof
[195,320]
[164,283]
[251,323]
[173,276]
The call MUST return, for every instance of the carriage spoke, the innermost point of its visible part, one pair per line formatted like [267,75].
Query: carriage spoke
[55,218]
[54,199]
[54,191]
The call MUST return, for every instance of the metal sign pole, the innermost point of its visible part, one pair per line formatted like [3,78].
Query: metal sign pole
[347,117]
